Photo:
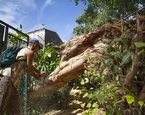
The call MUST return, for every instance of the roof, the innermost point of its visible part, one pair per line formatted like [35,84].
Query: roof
[40,30]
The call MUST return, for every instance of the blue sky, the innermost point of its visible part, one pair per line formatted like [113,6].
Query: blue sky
[57,15]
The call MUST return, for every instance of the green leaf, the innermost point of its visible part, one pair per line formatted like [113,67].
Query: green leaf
[91,96]
[89,105]
[117,54]
[49,55]
[126,59]
[82,82]
[141,103]
[85,57]
[108,61]
[85,95]
[43,24]
[139,44]
[114,68]
[95,105]
[140,52]
[20,26]
[116,40]
[130,99]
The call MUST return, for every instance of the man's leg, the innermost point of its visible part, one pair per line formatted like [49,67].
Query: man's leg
[4,93]
[14,105]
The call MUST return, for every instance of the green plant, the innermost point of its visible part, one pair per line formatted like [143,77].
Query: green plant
[47,59]
[105,88]
[17,38]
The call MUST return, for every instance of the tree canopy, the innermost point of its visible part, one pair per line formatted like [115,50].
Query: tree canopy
[99,12]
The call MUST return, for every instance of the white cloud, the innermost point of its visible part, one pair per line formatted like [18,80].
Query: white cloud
[13,11]
[9,8]
[8,12]
[7,18]
[47,3]
[28,3]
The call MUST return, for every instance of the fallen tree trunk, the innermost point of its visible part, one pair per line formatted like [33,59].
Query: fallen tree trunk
[81,49]
[68,70]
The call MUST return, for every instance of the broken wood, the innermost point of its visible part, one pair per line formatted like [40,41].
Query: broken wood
[82,48]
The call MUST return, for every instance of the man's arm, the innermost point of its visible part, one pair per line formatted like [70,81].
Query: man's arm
[30,68]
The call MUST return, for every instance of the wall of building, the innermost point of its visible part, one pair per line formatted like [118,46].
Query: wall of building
[46,36]
[39,35]
[52,37]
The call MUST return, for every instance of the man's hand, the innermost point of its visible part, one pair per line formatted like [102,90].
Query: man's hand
[42,74]
[36,75]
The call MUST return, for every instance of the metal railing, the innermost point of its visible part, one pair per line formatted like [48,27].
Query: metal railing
[5,34]
[8,38]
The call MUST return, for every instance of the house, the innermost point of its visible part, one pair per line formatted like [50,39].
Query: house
[45,36]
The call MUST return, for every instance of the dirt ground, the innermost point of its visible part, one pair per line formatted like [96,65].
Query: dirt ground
[63,112]
[71,108]
[73,112]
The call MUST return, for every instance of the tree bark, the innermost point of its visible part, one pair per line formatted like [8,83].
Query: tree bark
[137,61]
[85,47]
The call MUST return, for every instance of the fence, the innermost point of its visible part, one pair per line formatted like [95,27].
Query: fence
[11,36]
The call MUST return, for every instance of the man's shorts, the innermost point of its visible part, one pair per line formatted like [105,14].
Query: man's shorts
[9,97]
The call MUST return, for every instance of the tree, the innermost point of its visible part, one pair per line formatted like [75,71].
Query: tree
[111,58]
[106,56]
[99,12]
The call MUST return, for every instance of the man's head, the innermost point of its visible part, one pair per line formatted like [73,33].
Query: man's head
[36,41]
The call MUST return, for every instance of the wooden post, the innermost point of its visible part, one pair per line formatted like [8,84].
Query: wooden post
[1,36]
[5,40]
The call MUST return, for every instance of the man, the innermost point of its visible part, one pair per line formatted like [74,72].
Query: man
[10,78]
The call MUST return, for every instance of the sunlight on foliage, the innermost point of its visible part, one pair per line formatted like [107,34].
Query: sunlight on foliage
[130,99]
